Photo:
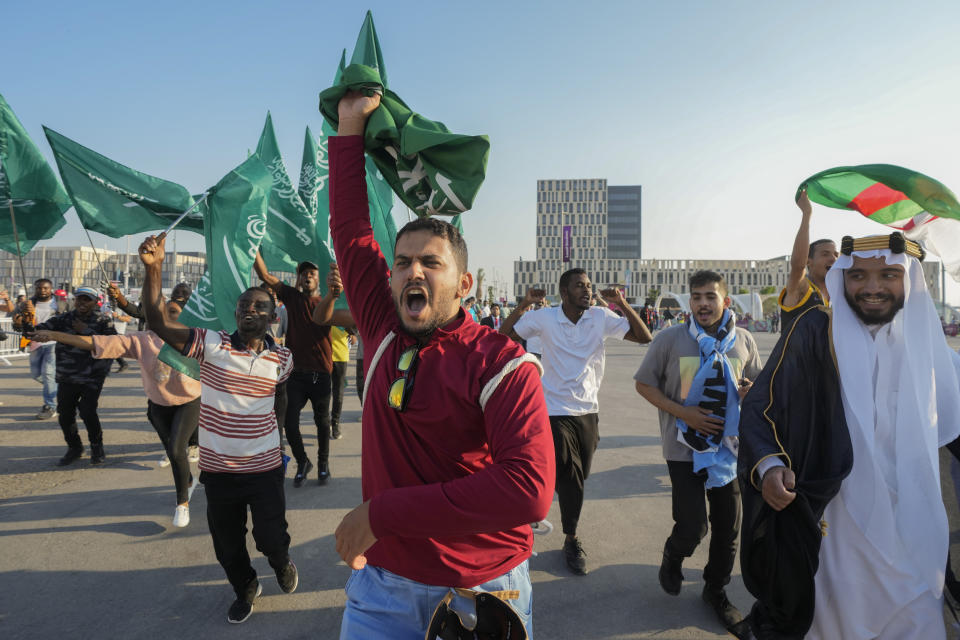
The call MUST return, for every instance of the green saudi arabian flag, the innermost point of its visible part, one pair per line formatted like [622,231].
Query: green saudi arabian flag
[236,220]
[313,177]
[114,199]
[431,169]
[379,191]
[291,235]
[29,185]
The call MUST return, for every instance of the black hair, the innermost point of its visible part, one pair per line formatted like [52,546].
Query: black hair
[441,229]
[815,244]
[567,275]
[39,280]
[704,277]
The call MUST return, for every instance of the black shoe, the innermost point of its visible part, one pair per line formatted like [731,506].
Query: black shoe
[71,455]
[335,432]
[323,473]
[123,367]
[302,471]
[576,556]
[287,577]
[671,578]
[96,454]
[241,608]
[728,614]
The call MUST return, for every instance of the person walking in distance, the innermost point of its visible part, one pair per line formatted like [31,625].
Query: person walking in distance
[43,359]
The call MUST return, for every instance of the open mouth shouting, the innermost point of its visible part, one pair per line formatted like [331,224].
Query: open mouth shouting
[414,301]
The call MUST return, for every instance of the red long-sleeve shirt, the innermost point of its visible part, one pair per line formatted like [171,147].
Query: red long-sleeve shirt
[452,484]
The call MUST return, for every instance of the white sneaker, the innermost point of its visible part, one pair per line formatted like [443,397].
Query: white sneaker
[541,528]
[193,486]
[164,461]
[193,453]
[181,517]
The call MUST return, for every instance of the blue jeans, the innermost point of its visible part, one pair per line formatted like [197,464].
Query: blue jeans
[384,606]
[43,368]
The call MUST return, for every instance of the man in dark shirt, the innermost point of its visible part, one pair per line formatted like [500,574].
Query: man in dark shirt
[312,365]
[79,375]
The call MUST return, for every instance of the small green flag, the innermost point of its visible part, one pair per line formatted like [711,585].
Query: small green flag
[434,171]
[236,220]
[313,176]
[29,184]
[291,235]
[114,199]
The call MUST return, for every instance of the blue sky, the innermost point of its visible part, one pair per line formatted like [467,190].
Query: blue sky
[719,109]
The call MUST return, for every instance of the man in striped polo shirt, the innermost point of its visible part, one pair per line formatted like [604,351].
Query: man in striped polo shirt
[240,460]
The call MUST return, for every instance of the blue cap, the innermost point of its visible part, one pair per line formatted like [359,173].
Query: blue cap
[90,292]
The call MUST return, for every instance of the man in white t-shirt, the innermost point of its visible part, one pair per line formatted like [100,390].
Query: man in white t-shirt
[572,337]
[43,363]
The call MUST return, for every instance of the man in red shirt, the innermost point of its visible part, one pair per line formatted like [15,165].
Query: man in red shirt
[457,450]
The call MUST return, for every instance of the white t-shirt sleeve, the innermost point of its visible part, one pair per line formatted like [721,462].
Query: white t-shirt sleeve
[614,326]
[529,324]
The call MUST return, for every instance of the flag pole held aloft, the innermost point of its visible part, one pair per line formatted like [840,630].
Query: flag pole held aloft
[163,234]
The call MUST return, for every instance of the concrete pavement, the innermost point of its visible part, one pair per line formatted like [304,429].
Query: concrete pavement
[90,552]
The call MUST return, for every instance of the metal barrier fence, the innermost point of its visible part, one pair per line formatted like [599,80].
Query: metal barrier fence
[10,348]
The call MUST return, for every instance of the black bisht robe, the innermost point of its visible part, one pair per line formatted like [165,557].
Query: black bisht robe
[794,411]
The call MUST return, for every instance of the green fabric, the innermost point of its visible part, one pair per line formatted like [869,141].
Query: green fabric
[291,236]
[433,171]
[236,223]
[313,175]
[840,186]
[179,362]
[29,184]
[116,200]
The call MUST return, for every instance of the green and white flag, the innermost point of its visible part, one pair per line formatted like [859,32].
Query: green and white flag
[291,235]
[313,178]
[236,220]
[29,184]
[434,171]
[379,191]
[114,199]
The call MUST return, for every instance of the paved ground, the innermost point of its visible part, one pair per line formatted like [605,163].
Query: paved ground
[91,552]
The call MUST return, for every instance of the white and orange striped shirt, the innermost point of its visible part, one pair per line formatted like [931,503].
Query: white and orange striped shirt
[238,428]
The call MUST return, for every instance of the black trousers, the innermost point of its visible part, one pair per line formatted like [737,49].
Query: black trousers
[338,382]
[575,439]
[315,387]
[73,397]
[360,379]
[176,425]
[690,520]
[228,497]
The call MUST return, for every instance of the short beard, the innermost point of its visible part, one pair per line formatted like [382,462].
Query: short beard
[873,319]
[427,330]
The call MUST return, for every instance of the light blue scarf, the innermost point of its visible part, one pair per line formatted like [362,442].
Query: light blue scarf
[715,387]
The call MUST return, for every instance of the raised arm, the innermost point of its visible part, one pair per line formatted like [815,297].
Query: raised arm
[170,331]
[80,342]
[269,279]
[121,301]
[638,329]
[324,313]
[798,257]
[533,297]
